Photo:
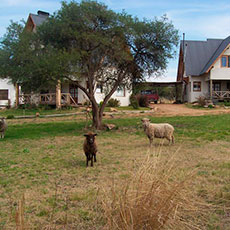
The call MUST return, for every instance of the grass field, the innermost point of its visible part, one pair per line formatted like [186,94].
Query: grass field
[44,163]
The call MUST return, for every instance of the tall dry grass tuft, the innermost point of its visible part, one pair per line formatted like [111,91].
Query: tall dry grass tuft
[158,195]
[20,213]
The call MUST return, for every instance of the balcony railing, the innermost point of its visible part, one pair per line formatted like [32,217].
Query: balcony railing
[221,95]
[46,99]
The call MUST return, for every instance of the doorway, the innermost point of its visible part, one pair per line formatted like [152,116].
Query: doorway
[73,90]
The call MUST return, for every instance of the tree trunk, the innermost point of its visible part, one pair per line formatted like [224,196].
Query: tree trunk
[97,119]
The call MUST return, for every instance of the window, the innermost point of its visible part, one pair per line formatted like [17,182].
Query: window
[3,94]
[225,61]
[196,86]
[216,86]
[99,88]
[120,91]
[228,85]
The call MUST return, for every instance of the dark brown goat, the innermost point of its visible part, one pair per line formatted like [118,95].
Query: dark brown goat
[90,148]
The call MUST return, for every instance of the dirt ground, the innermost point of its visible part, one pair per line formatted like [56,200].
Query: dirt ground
[183,110]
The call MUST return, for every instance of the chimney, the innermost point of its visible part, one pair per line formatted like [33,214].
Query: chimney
[43,13]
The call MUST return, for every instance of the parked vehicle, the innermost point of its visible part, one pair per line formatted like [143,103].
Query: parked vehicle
[151,95]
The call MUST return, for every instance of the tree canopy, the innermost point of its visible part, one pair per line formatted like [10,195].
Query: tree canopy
[87,42]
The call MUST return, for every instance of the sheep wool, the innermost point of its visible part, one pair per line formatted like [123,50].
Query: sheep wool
[161,130]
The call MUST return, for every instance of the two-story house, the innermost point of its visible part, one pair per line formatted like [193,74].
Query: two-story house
[204,67]
[65,92]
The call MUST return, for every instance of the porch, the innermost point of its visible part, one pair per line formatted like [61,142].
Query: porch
[64,94]
[47,99]
[219,89]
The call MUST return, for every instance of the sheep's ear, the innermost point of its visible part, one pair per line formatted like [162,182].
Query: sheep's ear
[95,134]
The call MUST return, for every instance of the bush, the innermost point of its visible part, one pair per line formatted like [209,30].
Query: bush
[133,101]
[113,103]
[201,101]
[210,106]
[227,103]
[143,101]
[135,104]
[10,116]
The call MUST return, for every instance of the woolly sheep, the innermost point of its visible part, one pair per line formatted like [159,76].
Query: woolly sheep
[161,130]
[90,147]
[3,127]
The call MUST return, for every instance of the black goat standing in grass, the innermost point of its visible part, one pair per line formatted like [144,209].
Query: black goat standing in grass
[90,147]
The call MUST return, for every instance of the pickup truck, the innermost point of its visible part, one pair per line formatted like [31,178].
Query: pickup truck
[151,95]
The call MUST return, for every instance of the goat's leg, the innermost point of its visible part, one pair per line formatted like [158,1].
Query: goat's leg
[92,161]
[95,160]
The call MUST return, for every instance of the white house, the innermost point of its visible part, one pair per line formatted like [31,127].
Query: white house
[7,93]
[204,67]
[66,92]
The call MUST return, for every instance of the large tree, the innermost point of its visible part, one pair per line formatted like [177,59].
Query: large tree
[87,42]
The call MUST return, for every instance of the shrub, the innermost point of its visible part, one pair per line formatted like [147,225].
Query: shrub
[210,106]
[201,101]
[227,103]
[135,104]
[10,116]
[113,103]
[143,101]
[133,101]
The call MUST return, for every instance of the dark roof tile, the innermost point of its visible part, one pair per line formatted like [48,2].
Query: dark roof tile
[198,53]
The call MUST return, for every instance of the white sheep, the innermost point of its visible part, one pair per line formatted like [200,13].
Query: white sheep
[161,130]
[3,127]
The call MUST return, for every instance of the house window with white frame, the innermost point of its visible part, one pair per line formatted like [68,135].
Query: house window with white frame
[225,61]
[196,86]
[4,93]
[99,88]
[120,91]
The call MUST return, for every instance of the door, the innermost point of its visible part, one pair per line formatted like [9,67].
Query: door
[73,90]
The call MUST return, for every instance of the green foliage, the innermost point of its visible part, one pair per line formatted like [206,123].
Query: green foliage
[10,116]
[227,103]
[210,106]
[166,92]
[113,103]
[133,101]
[83,40]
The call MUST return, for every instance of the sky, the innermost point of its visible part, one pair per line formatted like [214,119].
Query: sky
[198,19]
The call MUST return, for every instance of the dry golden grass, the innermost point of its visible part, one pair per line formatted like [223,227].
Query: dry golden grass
[61,193]
[156,196]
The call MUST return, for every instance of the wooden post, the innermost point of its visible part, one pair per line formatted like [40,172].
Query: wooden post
[58,95]
[16,95]
[68,98]
[210,89]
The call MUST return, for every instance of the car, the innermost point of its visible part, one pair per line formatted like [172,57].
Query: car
[151,95]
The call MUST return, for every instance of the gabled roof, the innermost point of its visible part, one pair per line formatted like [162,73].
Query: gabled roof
[38,19]
[198,54]
[35,20]
[224,44]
